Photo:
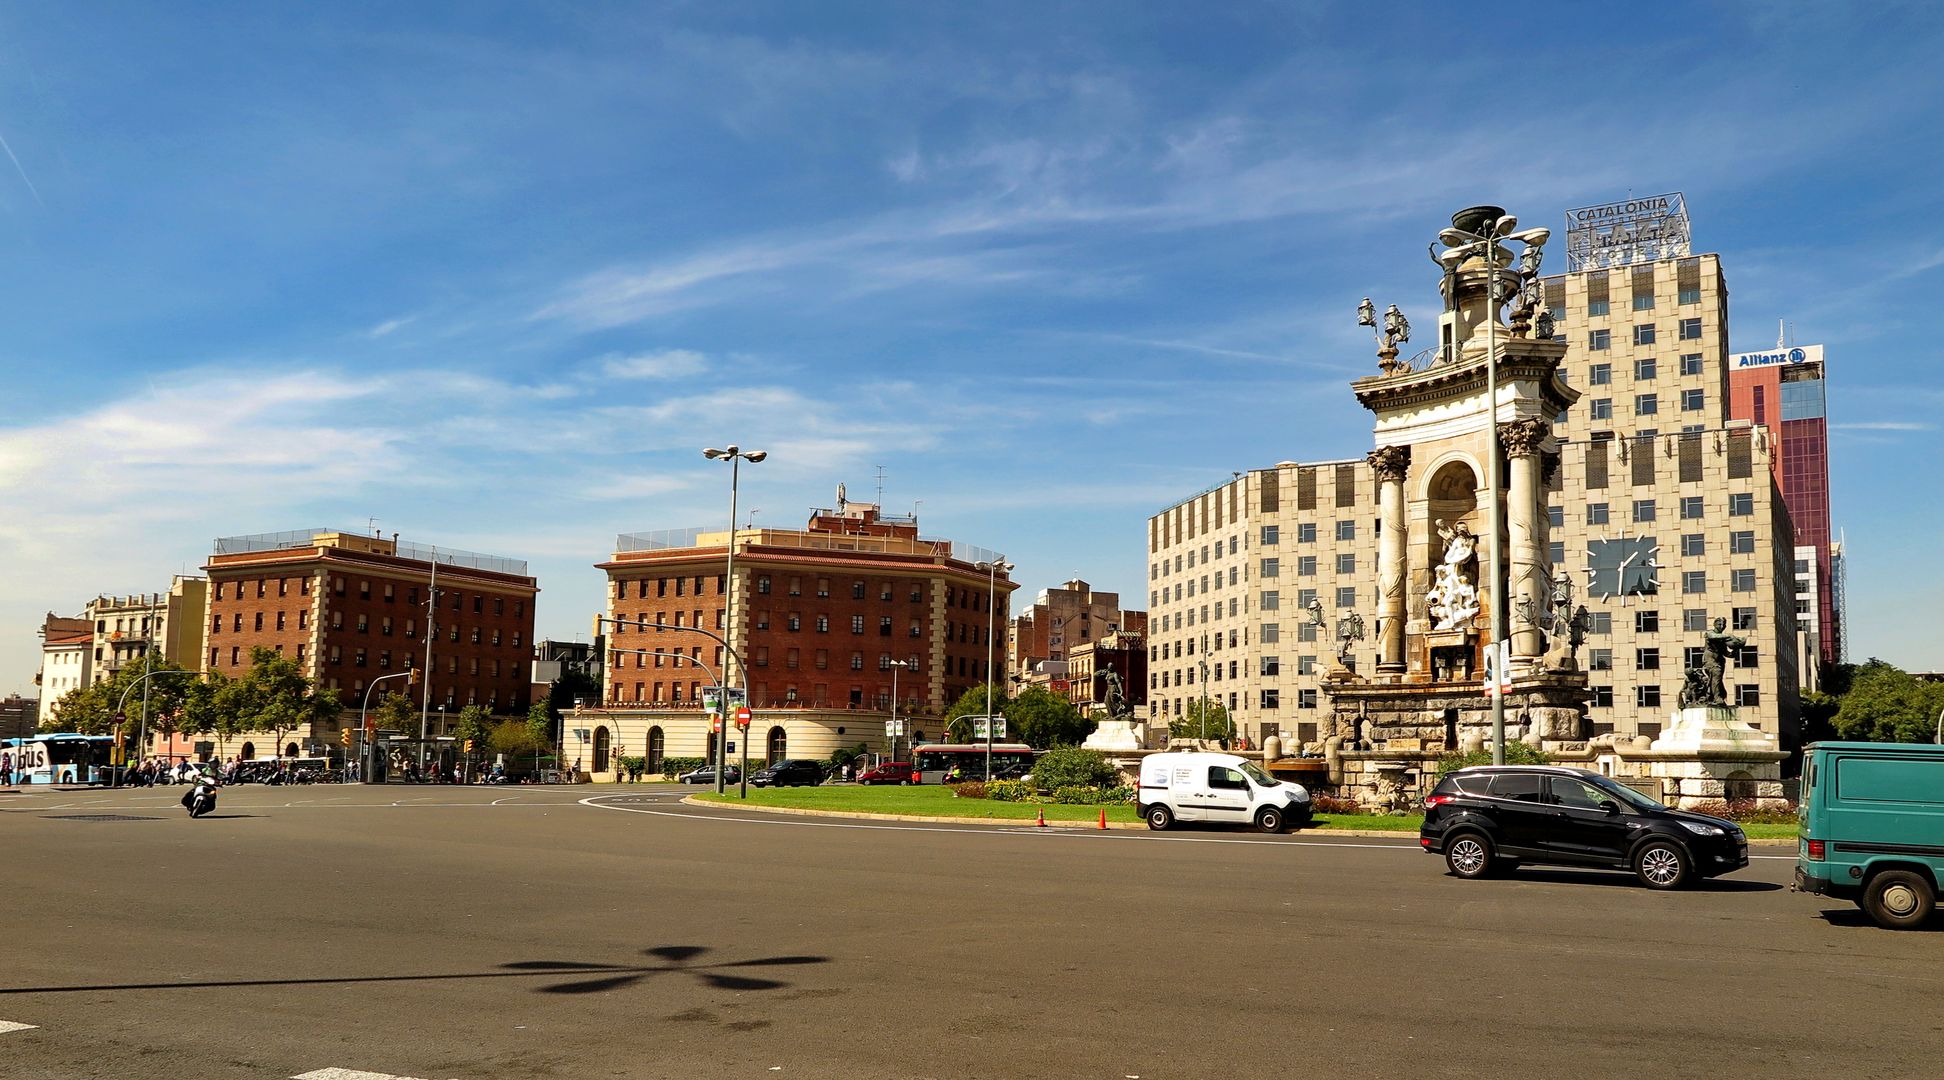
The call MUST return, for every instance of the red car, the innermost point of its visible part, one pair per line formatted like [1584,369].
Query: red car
[891,772]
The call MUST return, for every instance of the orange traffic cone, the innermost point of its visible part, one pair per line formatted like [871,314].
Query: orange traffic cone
[1103,817]
[1042,817]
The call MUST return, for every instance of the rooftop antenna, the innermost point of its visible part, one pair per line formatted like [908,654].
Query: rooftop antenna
[1781,335]
[880,479]
[372,524]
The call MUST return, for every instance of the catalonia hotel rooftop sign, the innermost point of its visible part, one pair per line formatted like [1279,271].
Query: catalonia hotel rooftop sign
[1645,229]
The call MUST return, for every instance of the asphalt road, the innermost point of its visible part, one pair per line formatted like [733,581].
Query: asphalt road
[442,933]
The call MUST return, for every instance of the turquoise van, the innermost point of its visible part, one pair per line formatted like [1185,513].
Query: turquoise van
[1872,825]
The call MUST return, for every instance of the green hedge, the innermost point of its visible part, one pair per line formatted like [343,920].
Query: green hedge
[1057,769]
[672,767]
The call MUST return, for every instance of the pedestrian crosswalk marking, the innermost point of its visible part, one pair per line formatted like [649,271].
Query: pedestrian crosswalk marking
[8,1025]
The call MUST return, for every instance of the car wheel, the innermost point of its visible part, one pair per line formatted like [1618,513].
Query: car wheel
[1269,820]
[1661,864]
[1160,818]
[1469,855]
[1899,899]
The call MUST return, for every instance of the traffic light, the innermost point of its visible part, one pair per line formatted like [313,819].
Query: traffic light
[345,736]
[468,746]
[413,678]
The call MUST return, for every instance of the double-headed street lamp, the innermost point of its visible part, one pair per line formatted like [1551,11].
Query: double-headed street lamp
[992,570]
[1495,225]
[730,650]
[735,456]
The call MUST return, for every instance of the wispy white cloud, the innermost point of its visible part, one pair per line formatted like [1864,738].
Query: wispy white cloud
[390,326]
[666,364]
[1885,425]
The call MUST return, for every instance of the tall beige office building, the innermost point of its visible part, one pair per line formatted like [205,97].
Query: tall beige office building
[1662,514]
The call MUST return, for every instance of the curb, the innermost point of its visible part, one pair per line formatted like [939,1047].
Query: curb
[1380,834]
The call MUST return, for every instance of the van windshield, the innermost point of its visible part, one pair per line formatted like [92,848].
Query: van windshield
[1254,772]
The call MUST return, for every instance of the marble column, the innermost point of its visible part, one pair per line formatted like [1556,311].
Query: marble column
[1527,528]
[1390,464]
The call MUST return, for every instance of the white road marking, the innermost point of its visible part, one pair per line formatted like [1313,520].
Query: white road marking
[348,1074]
[9,1026]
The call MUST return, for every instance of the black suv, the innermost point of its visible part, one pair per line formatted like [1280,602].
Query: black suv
[1491,818]
[788,772]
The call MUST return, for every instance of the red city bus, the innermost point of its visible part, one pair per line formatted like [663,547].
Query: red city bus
[935,763]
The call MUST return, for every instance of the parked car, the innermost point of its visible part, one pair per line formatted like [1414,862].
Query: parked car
[1872,818]
[1222,788]
[891,772]
[706,775]
[1491,818]
[790,772]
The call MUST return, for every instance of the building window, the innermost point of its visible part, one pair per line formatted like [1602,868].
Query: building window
[1271,567]
[823,624]
[1305,566]
[1556,516]
[1599,340]
[1597,307]
[1645,367]
[1271,699]
[763,585]
[1694,544]
[884,626]
[857,661]
[1691,363]
[1346,530]
[1602,697]
[1602,408]
[1647,697]
[1270,634]
[1741,580]
[1600,659]
[1646,404]
[1306,699]
[1643,334]
[1747,694]
[1690,294]
[1271,665]
[1693,400]
[1602,622]
[1346,563]
[1271,600]
[1749,657]
[1741,504]
[1643,302]
[1643,510]
[1647,622]
[794,622]
[1347,597]
[1596,513]
[1691,507]
[1742,542]
[1691,329]
[1306,532]
[857,590]
[1647,659]
[1744,618]
[1600,375]
[1270,534]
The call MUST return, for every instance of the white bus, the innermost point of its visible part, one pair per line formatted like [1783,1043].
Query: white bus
[65,758]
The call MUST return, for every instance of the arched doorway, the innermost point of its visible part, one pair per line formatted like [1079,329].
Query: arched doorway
[654,749]
[601,749]
[249,751]
[779,745]
[290,750]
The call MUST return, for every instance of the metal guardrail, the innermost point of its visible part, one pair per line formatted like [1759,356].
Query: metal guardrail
[291,539]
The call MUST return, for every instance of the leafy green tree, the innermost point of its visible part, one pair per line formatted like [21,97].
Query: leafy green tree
[1069,767]
[974,702]
[1189,724]
[90,710]
[475,725]
[396,712]
[1516,753]
[1887,704]
[274,696]
[1042,719]
[540,726]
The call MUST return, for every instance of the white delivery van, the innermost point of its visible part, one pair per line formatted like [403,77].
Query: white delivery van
[1199,786]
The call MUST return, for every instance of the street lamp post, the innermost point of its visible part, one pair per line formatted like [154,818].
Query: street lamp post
[431,632]
[1204,689]
[992,570]
[149,673]
[364,722]
[645,624]
[896,666]
[1494,228]
[735,456]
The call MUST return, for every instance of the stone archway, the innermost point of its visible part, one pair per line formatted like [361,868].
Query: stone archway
[602,741]
[249,751]
[779,745]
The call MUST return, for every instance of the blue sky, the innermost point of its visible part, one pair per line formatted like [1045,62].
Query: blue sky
[493,274]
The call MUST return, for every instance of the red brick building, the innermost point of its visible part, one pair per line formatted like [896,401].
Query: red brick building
[350,608]
[822,616]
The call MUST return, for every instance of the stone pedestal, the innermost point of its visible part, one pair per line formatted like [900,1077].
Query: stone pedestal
[1712,728]
[1114,735]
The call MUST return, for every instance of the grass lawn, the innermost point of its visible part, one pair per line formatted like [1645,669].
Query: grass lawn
[934,801]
